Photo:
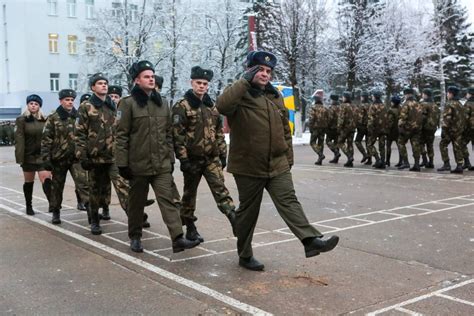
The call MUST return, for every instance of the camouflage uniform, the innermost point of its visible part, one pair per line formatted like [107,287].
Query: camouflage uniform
[392,136]
[318,124]
[332,132]
[346,124]
[377,122]
[362,117]
[468,134]
[410,124]
[95,147]
[431,116]
[451,131]
[199,139]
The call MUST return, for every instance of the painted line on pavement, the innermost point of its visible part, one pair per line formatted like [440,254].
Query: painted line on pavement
[426,296]
[159,271]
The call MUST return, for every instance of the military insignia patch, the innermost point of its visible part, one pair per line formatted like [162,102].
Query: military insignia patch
[119,115]
[176,119]
[267,58]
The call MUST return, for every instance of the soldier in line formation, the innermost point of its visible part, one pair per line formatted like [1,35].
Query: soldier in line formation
[414,121]
[7,133]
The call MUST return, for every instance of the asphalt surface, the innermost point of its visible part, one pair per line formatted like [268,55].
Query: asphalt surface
[407,246]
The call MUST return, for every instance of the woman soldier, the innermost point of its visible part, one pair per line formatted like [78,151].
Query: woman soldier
[28,132]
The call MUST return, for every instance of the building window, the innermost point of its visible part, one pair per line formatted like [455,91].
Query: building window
[133,12]
[53,42]
[71,8]
[73,81]
[89,9]
[54,82]
[53,7]
[90,45]
[72,44]
[116,9]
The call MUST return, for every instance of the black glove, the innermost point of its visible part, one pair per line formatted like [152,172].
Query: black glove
[125,173]
[87,164]
[223,161]
[47,165]
[186,165]
[250,73]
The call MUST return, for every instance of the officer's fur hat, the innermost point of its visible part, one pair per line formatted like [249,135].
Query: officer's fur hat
[35,98]
[84,97]
[261,58]
[347,95]
[67,93]
[408,90]
[364,94]
[115,90]
[396,100]
[333,97]
[96,77]
[159,81]
[470,90]
[317,100]
[454,90]
[140,66]
[377,94]
[428,92]
[200,73]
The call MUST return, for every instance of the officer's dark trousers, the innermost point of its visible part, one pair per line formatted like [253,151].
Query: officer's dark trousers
[162,184]
[282,192]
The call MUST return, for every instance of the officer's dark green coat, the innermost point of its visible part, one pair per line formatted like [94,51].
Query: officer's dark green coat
[28,135]
[258,121]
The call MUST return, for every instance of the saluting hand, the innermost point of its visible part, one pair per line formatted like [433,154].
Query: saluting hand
[250,73]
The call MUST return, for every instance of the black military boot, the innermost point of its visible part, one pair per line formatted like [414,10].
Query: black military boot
[28,193]
[47,189]
[387,161]
[56,220]
[336,158]
[146,223]
[416,166]
[136,245]
[379,164]
[458,169]
[232,216]
[95,223]
[424,160]
[251,264]
[429,164]
[149,202]
[349,163]
[467,164]
[313,246]
[180,243]
[319,162]
[191,230]
[80,205]
[405,165]
[400,162]
[446,167]
[105,213]
[369,161]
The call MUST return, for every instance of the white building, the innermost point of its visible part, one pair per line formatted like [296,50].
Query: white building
[42,45]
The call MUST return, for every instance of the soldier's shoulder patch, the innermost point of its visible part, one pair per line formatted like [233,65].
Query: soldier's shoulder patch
[119,115]
[176,119]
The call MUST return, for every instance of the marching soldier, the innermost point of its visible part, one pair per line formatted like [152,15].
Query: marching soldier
[200,146]
[451,131]
[95,143]
[410,124]
[145,156]
[28,130]
[468,135]
[346,124]
[58,152]
[332,132]
[392,136]
[431,116]
[318,123]
[362,114]
[82,175]
[377,124]
[261,156]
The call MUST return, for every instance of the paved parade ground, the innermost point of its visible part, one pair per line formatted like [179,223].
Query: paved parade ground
[407,247]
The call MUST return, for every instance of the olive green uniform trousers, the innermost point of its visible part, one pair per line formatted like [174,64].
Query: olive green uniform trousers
[282,192]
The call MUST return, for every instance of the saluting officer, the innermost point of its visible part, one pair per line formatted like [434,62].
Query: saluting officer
[261,156]
[58,151]
[200,146]
[28,130]
[145,156]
